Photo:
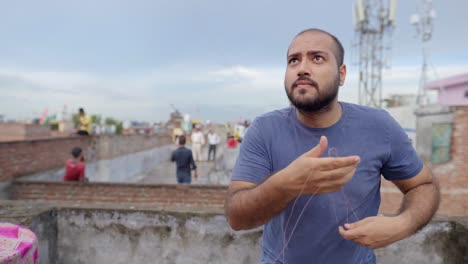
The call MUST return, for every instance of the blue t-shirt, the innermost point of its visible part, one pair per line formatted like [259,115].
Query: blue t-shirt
[277,138]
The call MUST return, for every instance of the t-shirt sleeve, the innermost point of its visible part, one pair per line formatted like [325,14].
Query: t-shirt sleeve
[253,163]
[402,162]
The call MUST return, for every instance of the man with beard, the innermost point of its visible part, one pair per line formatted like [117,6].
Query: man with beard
[311,172]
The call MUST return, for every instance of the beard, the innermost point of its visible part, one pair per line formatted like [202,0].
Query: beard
[317,103]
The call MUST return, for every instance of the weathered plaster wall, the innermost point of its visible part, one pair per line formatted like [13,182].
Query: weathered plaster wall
[438,243]
[116,234]
[98,236]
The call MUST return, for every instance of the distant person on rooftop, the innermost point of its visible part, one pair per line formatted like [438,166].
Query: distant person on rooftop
[198,140]
[75,166]
[183,158]
[84,123]
[213,141]
[237,135]
[177,132]
[231,142]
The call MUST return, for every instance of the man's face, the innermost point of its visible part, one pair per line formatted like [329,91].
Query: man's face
[312,74]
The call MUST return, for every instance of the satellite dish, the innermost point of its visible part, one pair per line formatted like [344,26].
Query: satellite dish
[392,12]
[355,17]
[360,11]
[414,19]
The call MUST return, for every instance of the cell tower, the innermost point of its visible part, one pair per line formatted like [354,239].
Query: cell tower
[374,21]
[424,26]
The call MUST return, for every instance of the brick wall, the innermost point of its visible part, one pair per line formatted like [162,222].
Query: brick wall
[196,196]
[21,158]
[26,157]
[108,147]
[452,176]
[19,131]
[452,203]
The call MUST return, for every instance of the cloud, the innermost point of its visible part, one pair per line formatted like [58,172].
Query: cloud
[237,72]
[215,93]
[400,80]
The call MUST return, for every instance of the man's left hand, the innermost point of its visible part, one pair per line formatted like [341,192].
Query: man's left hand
[374,232]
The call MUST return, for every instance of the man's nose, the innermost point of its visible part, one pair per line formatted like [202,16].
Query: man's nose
[303,70]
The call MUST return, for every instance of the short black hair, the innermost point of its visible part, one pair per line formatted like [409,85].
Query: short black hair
[182,140]
[81,110]
[339,50]
[76,152]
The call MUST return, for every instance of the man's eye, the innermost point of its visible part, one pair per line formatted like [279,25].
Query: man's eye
[318,58]
[292,61]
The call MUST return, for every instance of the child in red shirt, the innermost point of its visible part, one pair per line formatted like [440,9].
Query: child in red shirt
[231,142]
[75,167]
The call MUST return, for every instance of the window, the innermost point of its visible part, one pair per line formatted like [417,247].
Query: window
[441,142]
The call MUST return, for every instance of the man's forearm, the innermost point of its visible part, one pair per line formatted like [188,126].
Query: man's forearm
[419,205]
[249,208]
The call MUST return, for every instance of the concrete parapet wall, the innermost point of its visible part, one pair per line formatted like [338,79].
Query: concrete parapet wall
[192,196]
[20,158]
[151,237]
[440,242]
[164,237]
[116,234]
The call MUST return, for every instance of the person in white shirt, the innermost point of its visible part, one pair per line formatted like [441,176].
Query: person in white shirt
[213,140]
[198,140]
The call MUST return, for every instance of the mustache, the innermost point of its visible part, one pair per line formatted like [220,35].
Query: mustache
[307,79]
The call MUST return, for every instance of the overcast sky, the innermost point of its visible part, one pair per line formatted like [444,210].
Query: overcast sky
[216,60]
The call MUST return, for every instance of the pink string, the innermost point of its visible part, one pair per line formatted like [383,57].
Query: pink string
[289,218]
[295,225]
[332,152]
[334,209]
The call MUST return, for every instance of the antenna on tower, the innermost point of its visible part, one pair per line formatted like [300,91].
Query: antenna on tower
[374,21]
[423,23]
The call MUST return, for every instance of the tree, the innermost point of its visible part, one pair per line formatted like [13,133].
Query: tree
[118,125]
[96,119]
[75,120]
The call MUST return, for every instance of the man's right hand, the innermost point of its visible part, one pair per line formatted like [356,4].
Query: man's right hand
[311,174]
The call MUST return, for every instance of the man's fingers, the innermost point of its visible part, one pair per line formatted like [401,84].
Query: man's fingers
[334,180]
[343,175]
[359,223]
[318,150]
[355,230]
[350,234]
[335,163]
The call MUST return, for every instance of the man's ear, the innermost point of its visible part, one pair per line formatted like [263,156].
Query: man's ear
[342,72]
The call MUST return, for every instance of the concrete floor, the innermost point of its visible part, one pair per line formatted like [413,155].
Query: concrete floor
[209,172]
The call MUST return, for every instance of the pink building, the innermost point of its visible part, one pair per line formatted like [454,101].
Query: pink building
[453,91]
